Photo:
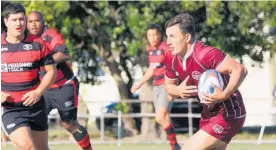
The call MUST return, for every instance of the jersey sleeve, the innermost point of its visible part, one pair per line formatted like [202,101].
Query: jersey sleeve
[211,58]
[157,60]
[46,57]
[58,44]
[168,65]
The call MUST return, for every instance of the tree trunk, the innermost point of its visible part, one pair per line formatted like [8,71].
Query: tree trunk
[129,123]
[148,124]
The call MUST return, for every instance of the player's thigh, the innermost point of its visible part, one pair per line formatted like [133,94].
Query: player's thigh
[40,139]
[39,126]
[22,137]
[48,101]
[15,123]
[69,118]
[204,141]
[38,117]
[65,98]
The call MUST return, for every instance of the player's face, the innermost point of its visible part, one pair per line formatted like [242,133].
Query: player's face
[154,37]
[34,25]
[16,24]
[176,40]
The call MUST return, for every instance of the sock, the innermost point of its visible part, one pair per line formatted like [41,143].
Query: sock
[82,138]
[172,137]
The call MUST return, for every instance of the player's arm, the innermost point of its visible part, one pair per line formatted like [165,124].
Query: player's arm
[48,64]
[225,65]
[61,53]
[33,97]
[147,76]
[238,73]
[182,90]
[4,96]
[171,86]
[48,79]
[60,57]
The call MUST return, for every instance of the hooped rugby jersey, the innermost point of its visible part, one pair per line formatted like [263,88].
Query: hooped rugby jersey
[57,44]
[20,64]
[156,61]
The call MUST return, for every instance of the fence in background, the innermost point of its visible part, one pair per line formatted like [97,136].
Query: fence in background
[190,115]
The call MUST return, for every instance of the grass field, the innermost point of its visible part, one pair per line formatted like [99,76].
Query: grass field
[151,147]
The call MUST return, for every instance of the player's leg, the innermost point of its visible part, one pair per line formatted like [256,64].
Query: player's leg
[215,133]
[204,141]
[79,133]
[39,125]
[4,138]
[15,125]
[162,112]
[25,142]
[40,139]
[67,107]
[48,101]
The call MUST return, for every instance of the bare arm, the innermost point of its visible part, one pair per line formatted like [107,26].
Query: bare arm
[182,90]
[170,86]
[48,79]
[34,96]
[4,96]
[238,73]
[146,77]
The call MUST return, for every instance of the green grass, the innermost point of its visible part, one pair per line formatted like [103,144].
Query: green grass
[151,147]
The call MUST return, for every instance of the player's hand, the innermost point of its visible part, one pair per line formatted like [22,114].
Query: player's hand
[213,98]
[170,98]
[186,91]
[31,98]
[4,97]
[135,87]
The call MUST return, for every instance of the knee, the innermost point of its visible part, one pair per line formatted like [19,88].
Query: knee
[70,126]
[25,145]
[159,119]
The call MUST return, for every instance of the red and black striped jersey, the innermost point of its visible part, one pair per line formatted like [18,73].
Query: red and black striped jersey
[20,64]
[57,44]
[156,61]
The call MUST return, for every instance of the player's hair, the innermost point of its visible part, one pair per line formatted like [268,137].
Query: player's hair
[13,8]
[156,27]
[185,21]
[39,14]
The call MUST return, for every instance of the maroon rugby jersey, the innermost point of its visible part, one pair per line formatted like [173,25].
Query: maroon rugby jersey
[20,64]
[57,44]
[199,59]
[156,61]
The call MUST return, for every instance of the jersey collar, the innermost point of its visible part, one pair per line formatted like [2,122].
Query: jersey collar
[190,51]
[188,54]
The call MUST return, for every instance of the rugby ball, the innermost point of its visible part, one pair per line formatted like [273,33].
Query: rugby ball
[207,80]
